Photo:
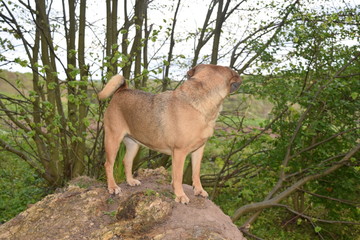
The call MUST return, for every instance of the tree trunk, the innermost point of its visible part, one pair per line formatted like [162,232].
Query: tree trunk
[203,39]
[220,19]
[166,79]
[71,86]
[125,43]
[137,45]
[80,150]
[147,31]
[111,37]
[54,169]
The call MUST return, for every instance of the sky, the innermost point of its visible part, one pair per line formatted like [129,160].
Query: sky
[190,18]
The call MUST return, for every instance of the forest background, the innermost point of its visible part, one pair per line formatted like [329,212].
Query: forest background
[284,160]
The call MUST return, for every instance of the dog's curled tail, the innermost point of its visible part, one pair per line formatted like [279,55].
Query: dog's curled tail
[114,83]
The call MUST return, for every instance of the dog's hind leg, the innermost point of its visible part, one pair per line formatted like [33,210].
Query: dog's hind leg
[112,144]
[132,148]
[196,157]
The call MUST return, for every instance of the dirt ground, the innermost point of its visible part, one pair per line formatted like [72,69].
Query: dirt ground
[85,210]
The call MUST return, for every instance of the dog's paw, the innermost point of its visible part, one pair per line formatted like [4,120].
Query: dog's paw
[114,190]
[200,192]
[182,199]
[133,182]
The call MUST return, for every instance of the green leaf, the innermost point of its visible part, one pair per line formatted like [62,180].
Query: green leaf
[72,53]
[317,229]
[166,63]
[22,63]
[354,95]
[52,85]
[71,98]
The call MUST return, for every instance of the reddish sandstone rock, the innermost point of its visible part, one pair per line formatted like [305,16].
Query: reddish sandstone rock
[84,210]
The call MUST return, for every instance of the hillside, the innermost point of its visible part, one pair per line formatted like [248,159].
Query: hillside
[22,81]
[243,104]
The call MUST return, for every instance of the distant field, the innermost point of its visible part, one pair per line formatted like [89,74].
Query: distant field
[20,80]
[239,104]
[246,105]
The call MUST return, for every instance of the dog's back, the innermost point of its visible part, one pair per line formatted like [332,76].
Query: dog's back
[167,121]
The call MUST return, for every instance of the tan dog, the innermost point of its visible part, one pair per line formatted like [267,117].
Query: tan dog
[175,122]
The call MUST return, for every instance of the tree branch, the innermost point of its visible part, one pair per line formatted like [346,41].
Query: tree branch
[314,218]
[260,51]
[337,74]
[15,121]
[20,154]
[323,141]
[355,204]
[274,201]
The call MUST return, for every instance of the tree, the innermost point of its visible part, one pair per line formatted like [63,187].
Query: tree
[314,120]
[302,57]
[166,79]
[207,32]
[112,36]
[56,140]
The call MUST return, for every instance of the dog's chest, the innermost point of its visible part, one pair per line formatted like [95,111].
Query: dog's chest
[209,130]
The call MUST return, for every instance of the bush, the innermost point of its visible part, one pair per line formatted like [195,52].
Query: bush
[19,186]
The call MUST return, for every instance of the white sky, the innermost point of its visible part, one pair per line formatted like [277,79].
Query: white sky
[190,18]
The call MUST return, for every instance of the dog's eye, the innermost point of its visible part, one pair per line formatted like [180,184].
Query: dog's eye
[234,86]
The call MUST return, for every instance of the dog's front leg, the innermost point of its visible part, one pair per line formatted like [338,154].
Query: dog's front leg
[196,157]
[178,159]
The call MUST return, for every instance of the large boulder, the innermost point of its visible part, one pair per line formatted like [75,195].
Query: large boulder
[85,210]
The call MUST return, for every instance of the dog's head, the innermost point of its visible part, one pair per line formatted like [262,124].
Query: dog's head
[218,74]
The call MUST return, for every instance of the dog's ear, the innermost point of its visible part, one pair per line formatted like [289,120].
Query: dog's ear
[190,73]
[195,69]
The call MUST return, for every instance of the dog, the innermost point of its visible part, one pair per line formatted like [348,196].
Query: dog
[176,123]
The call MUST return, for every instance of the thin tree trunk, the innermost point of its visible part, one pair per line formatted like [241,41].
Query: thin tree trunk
[166,79]
[125,43]
[220,19]
[71,87]
[114,35]
[40,145]
[147,31]
[111,36]
[80,150]
[203,39]
[137,45]
[54,168]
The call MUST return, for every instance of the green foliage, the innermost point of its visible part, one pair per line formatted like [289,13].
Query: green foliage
[119,171]
[303,80]
[150,192]
[111,214]
[19,186]
[316,118]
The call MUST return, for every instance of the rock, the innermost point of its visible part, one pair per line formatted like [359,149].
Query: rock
[84,210]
